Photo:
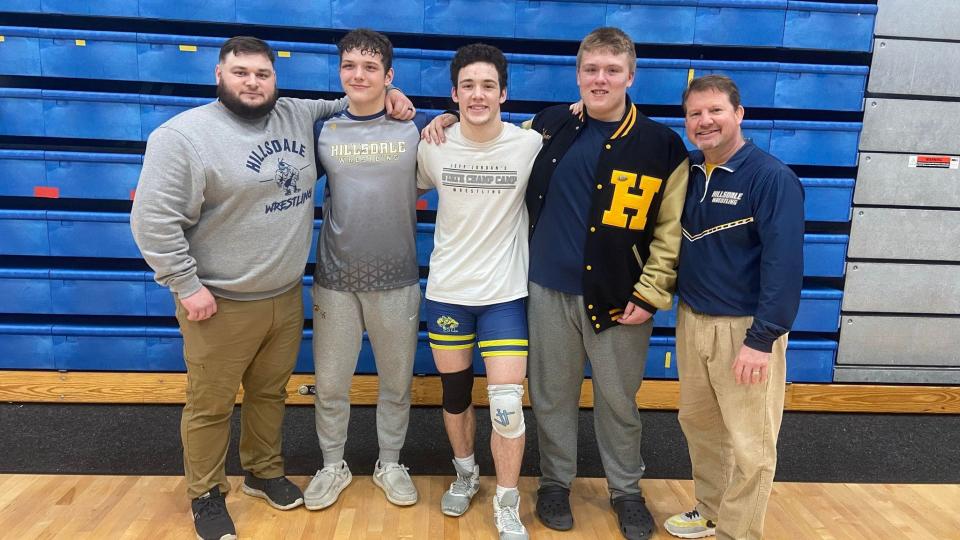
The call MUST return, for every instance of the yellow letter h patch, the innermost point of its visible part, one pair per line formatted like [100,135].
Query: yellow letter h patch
[623,182]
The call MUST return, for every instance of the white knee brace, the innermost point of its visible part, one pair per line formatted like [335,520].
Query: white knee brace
[506,409]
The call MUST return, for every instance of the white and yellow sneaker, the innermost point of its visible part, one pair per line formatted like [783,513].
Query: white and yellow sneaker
[690,525]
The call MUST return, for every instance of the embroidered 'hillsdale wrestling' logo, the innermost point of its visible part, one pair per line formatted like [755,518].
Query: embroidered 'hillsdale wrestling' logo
[448,323]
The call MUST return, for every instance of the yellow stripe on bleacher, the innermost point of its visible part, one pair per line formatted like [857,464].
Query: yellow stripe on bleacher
[689,75]
[443,337]
[666,360]
[188,48]
[80,42]
[501,342]
[283,54]
[2,38]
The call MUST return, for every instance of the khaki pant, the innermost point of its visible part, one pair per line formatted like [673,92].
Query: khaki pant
[251,343]
[731,429]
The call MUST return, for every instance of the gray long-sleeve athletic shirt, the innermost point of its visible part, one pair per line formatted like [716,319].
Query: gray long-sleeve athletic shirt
[369,206]
[227,202]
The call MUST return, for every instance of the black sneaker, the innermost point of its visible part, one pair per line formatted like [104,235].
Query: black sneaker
[635,520]
[279,492]
[210,517]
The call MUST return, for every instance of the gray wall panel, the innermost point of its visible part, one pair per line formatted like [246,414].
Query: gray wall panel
[895,233]
[937,377]
[933,19]
[888,179]
[923,68]
[896,125]
[899,341]
[902,288]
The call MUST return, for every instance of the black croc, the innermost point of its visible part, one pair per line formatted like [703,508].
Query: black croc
[553,507]
[635,520]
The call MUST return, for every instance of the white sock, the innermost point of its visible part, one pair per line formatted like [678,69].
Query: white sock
[501,491]
[337,465]
[467,463]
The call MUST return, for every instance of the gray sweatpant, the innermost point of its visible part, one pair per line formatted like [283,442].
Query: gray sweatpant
[561,340]
[391,319]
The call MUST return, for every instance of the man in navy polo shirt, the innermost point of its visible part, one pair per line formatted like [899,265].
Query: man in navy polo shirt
[739,280]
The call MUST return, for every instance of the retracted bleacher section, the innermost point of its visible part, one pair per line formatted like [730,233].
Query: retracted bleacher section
[77,104]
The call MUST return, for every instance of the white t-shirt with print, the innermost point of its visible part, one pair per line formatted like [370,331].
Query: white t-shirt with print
[480,253]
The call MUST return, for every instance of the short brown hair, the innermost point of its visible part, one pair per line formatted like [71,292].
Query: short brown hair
[720,83]
[610,39]
[246,45]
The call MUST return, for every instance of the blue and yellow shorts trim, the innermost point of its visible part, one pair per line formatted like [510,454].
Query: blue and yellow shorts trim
[498,329]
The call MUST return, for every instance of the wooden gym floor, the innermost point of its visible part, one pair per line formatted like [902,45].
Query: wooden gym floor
[101,507]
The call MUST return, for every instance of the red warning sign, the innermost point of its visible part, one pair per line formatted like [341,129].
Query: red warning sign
[934,162]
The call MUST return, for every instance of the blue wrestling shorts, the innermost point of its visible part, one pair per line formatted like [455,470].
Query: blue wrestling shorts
[499,329]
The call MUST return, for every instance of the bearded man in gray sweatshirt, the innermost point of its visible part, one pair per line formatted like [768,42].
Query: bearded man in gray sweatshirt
[223,214]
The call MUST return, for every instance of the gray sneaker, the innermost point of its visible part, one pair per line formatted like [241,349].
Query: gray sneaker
[506,514]
[326,485]
[395,482]
[456,500]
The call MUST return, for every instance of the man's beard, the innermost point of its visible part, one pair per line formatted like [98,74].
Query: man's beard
[232,101]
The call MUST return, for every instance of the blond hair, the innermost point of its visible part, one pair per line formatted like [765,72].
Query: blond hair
[609,39]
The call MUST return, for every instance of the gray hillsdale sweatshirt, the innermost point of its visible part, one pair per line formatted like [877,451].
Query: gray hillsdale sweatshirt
[228,202]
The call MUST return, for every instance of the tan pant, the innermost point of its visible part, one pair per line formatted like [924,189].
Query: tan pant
[731,429]
[251,343]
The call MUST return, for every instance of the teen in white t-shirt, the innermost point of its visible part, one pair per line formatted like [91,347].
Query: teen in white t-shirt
[478,276]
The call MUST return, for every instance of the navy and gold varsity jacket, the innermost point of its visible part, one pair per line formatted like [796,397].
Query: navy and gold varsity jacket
[632,247]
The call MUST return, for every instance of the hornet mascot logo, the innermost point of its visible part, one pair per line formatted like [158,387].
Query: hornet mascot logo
[448,324]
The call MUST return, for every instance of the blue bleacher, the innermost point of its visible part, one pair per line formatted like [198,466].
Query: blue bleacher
[107,235]
[107,176]
[26,346]
[20,51]
[69,114]
[111,302]
[68,291]
[28,6]
[397,16]
[112,8]
[829,26]
[827,199]
[756,23]
[552,19]
[308,13]
[153,348]
[88,54]
[207,10]
[81,175]
[177,59]
[24,232]
[654,21]
[307,66]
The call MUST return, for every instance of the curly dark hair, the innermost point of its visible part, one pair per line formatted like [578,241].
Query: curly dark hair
[368,42]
